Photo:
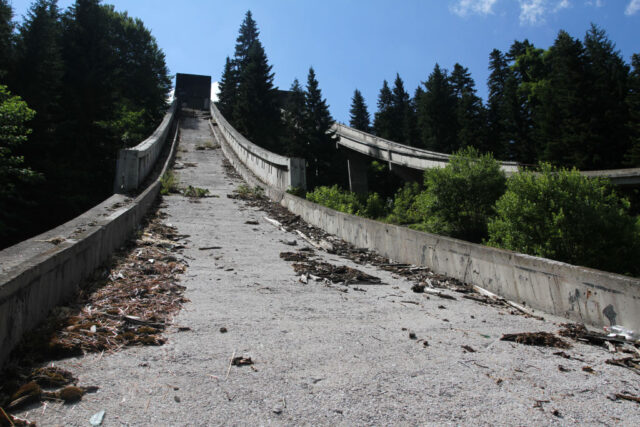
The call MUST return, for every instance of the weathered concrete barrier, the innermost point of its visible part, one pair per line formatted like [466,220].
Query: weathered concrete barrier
[134,164]
[45,271]
[395,153]
[272,169]
[594,297]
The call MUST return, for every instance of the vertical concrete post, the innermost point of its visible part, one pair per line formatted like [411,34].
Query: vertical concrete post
[297,173]
[358,166]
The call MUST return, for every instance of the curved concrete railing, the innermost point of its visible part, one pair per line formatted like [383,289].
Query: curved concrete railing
[416,158]
[134,164]
[398,154]
[272,169]
[581,294]
[47,270]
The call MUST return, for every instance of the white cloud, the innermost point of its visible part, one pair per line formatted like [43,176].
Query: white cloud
[632,8]
[532,11]
[469,7]
[596,3]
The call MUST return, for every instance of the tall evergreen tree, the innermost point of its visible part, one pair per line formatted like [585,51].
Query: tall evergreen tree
[296,142]
[605,105]
[39,59]
[322,141]
[228,88]
[383,120]
[471,117]
[561,125]
[527,69]
[497,137]
[632,157]
[437,115]
[359,116]
[6,38]
[401,114]
[256,113]
[248,35]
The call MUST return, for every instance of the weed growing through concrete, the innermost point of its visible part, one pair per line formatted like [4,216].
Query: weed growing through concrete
[169,183]
[196,192]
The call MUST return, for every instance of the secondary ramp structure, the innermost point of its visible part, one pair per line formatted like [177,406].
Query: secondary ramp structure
[409,162]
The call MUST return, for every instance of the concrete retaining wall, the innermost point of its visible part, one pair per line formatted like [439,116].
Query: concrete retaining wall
[134,164]
[36,275]
[594,297]
[272,169]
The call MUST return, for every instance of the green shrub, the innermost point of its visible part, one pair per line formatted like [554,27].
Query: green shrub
[565,216]
[458,199]
[336,198]
[374,208]
[369,206]
[404,210]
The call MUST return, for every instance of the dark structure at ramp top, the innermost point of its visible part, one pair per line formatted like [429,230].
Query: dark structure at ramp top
[193,91]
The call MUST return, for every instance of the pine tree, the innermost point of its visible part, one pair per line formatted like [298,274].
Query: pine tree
[321,169]
[497,138]
[296,142]
[39,59]
[471,117]
[256,113]
[632,158]
[561,125]
[400,129]
[228,88]
[6,39]
[527,69]
[382,122]
[248,35]
[605,105]
[437,113]
[359,116]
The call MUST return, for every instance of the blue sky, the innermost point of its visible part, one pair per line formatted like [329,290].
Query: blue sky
[357,43]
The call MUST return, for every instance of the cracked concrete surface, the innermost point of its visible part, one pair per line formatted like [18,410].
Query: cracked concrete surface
[322,356]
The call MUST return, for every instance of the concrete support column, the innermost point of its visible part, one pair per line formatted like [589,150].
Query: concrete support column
[358,166]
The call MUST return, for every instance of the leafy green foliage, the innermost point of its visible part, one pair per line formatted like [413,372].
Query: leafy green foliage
[335,198]
[560,214]
[14,114]
[458,199]
[369,206]
[405,209]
